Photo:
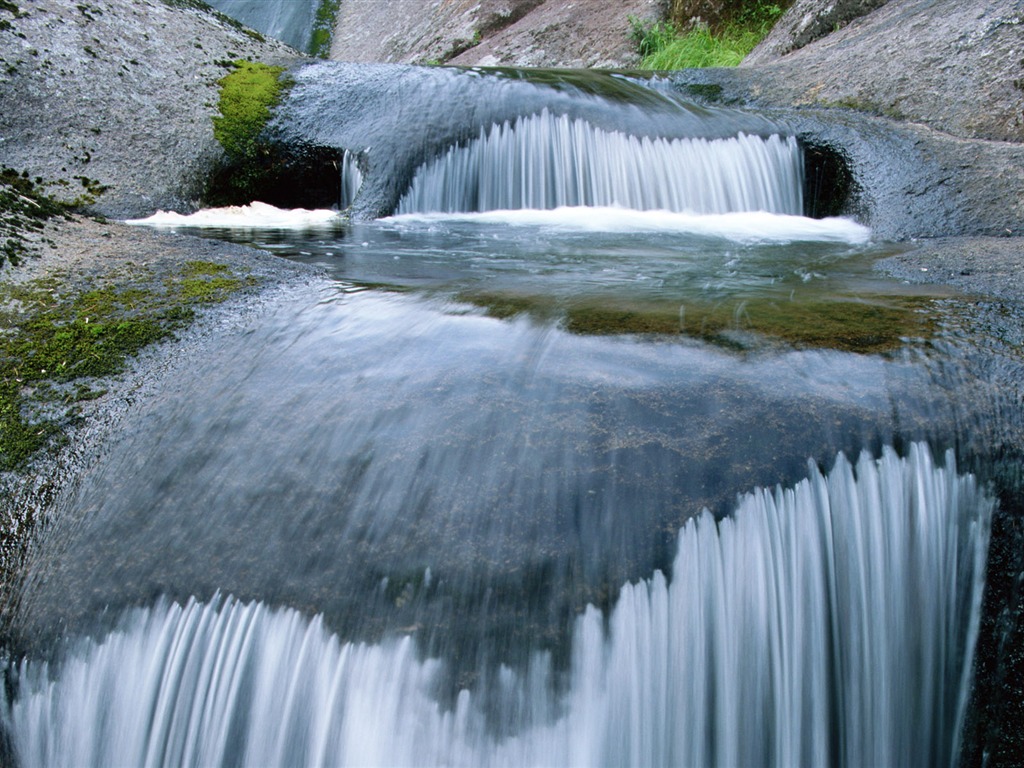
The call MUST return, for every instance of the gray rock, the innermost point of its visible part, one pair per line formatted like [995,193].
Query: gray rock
[807,21]
[121,93]
[584,33]
[955,66]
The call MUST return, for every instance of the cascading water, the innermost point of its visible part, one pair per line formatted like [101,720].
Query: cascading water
[548,162]
[456,520]
[828,624]
[351,179]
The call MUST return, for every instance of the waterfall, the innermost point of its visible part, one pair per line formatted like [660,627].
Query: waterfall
[351,178]
[545,162]
[829,623]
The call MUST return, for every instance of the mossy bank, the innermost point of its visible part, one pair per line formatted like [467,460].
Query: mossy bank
[95,313]
[61,336]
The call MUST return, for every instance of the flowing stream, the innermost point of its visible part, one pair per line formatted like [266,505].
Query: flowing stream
[597,452]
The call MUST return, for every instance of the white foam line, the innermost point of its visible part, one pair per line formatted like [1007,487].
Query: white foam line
[744,227]
[253,216]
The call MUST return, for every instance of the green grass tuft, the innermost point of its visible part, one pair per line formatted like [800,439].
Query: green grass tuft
[663,47]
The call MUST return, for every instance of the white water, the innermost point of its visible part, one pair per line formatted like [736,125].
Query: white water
[351,178]
[256,215]
[830,623]
[544,162]
[754,227]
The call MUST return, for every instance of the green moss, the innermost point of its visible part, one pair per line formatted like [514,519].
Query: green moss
[705,91]
[247,95]
[323,28]
[869,106]
[55,343]
[195,269]
[869,325]
[206,282]
[207,291]
[20,437]
[505,306]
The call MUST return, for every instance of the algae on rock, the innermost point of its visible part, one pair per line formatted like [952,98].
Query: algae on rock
[57,339]
[258,167]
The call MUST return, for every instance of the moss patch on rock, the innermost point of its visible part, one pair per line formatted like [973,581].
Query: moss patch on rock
[57,343]
[258,167]
[24,211]
[248,94]
[323,28]
[867,325]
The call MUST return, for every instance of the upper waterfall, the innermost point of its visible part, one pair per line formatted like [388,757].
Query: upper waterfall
[290,21]
[545,161]
[579,138]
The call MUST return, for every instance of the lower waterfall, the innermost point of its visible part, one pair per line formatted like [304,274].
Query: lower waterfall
[545,162]
[829,623]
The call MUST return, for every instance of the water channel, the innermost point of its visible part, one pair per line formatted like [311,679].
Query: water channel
[597,452]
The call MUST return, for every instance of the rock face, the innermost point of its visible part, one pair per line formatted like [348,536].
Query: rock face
[118,93]
[807,21]
[584,33]
[957,67]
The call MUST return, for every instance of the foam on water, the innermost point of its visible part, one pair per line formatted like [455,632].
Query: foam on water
[751,227]
[256,215]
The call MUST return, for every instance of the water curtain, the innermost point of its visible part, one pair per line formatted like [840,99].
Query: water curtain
[546,161]
[831,623]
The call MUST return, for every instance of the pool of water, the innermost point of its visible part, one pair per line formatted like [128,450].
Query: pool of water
[457,473]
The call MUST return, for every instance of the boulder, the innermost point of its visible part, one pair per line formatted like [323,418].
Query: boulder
[118,94]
